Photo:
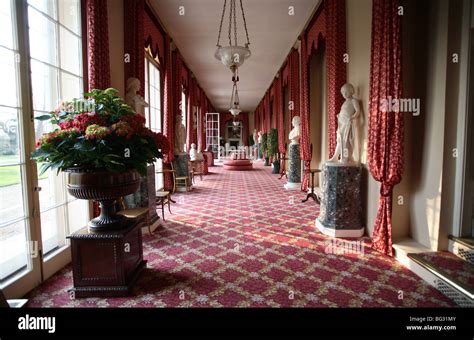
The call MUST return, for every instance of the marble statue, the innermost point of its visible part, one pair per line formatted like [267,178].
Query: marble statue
[194,155]
[347,122]
[260,134]
[132,98]
[294,135]
[255,140]
[179,135]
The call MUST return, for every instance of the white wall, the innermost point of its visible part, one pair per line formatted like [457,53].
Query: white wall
[359,21]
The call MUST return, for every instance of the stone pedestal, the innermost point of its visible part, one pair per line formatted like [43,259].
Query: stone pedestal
[182,169]
[294,168]
[341,208]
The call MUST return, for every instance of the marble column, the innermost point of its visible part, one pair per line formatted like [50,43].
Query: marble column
[341,201]
[294,168]
[182,169]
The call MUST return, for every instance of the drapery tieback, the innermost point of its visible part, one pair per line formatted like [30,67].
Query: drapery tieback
[386,190]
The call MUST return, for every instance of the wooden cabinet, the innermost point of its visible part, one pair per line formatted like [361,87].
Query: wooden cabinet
[106,264]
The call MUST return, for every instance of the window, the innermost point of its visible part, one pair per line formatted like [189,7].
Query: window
[153,111]
[56,74]
[183,105]
[35,210]
[14,221]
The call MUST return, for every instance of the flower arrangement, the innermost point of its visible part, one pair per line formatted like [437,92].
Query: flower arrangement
[98,132]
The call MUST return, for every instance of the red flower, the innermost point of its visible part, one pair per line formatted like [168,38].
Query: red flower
[83,120]
[66,124]
[162,142]
[135,121]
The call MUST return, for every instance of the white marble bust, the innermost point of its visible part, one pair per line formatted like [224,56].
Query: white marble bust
[347,121]
[133,99]
[294,135]
[194,155]
[179,135]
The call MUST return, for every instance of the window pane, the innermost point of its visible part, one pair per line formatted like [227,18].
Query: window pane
[71,86]
[69,15]
[46,6]
[8,72]
[11,194]
[52,229]
[42,37]
[52,190]
[78,215]
[45,86]
[6,15]
[9,143]
[13,249]
[70,51]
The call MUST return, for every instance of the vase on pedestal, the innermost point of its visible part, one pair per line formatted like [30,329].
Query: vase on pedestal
[104,187]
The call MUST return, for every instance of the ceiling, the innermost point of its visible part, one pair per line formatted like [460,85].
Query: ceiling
[272,33]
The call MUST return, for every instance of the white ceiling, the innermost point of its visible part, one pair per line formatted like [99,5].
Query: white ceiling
[272,33]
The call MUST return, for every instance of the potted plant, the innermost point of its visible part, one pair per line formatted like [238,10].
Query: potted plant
[273,150]
[264,147]
[103,146]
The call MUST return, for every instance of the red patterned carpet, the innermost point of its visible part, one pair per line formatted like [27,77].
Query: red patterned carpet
[239,240]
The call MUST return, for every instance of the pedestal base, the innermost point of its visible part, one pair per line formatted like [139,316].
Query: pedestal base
[292,186]
[346,233]
[106,264]
[341,209]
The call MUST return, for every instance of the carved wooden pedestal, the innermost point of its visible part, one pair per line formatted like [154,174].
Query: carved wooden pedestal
[106,264]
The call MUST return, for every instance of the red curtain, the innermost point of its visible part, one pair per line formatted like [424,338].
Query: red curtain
[335,67]
[153,34]
[168,107]
[134,42]
[294,83]
[189,114]
[268,119]
[385,129]
[168,110]
[280,116]
[97,44]
[305,143]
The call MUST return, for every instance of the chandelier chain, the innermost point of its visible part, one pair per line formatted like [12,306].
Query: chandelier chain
[230,23]
[220,26]
[235,23]
[245,23]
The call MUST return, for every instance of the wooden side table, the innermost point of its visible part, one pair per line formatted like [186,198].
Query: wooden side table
[312,194]
[283,160]
[106,264]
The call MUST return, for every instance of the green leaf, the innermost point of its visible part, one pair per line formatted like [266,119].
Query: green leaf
[43,117]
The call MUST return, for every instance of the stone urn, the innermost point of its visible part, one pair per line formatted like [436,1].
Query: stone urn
[104,187]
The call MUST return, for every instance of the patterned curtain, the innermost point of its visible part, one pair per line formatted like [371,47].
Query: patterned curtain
[190,111]
[305,142]
[98,62]
[335,13]
[268,119]
[281,116]
[385,130]
[134,11]
[294,80]
[168,110]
